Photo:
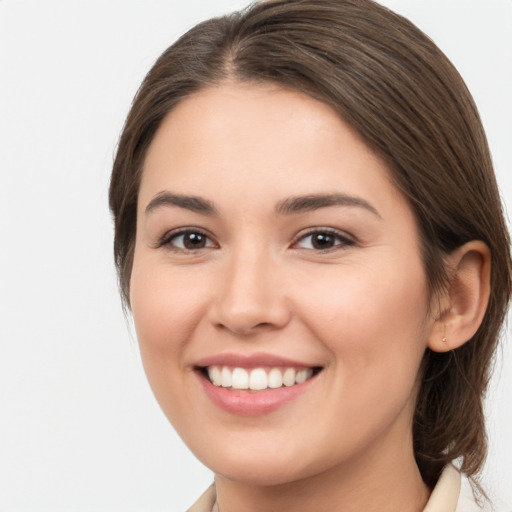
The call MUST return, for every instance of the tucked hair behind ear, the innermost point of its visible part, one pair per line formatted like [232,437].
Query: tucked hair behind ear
[398,90]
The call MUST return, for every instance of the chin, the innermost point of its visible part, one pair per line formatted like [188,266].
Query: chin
[268,473]
[261,464]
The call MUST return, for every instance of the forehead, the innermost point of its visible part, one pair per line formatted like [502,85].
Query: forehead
[248,139]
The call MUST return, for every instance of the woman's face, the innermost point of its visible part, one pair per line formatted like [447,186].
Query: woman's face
[272,247]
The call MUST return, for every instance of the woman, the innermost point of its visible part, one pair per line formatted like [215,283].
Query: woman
[310,238]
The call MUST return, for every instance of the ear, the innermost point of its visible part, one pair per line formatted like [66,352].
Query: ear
[464,302]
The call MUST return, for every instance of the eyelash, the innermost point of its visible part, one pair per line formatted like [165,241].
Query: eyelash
[168,239]
[341,240]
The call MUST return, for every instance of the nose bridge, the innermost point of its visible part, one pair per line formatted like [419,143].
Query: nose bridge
[250,295]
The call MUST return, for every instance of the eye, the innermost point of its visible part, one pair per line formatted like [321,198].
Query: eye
[323,240]
[186,240]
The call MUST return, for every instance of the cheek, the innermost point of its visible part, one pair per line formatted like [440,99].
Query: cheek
[376,329]
[165,307]
[369,303]
[376,335]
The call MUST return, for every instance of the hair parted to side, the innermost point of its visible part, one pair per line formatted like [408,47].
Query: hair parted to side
[398,90]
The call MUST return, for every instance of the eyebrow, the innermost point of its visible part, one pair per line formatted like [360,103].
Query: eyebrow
[288,206]
[192,203]
[316,201]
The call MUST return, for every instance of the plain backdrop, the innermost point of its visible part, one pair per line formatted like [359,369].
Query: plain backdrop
[79,427]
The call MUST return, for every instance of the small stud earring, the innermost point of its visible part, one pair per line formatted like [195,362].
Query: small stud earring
[444,339]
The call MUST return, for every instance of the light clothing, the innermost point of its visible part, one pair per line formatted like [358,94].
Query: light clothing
[451,494]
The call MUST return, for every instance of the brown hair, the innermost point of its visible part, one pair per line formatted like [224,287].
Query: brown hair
[399,91]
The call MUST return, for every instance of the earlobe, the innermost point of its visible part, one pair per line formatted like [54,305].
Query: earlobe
[465,300]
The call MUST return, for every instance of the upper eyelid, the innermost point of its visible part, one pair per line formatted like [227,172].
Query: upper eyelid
[332,231]
[168,236]
[344,241]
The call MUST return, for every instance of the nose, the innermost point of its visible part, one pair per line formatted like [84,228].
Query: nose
[251,296]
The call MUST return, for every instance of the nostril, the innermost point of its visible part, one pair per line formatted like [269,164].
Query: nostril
[247,310]
[246,329]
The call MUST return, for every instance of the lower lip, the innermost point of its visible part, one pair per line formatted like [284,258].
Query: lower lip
[252,403]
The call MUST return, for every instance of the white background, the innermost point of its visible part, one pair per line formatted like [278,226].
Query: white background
[79,428]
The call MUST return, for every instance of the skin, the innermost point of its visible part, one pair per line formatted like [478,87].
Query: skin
[359,310]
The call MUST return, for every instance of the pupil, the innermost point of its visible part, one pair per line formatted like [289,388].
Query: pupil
[322,240]
[194,241]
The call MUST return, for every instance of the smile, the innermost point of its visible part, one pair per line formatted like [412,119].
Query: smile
[254,384]
[257,379]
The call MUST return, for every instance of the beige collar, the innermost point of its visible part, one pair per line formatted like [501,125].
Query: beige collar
[445,496]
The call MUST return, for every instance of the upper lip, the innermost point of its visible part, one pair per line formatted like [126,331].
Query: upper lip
[250,361]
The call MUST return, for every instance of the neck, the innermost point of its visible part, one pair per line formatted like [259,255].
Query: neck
[382,480]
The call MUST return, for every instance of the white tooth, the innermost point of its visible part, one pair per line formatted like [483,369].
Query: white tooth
[289,377]
[275,378]
[215,376]
[239,379]
[225,377]
[258,379]
[301,376]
